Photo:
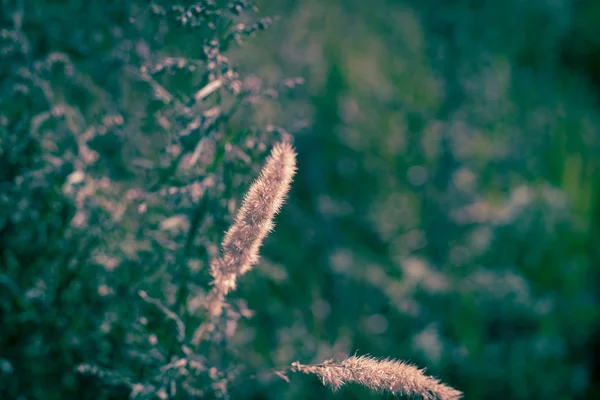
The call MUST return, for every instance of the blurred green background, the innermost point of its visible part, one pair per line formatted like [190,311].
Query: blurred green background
[446,209]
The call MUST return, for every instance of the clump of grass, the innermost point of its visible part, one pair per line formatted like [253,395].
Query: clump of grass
[240,249]
[72,195]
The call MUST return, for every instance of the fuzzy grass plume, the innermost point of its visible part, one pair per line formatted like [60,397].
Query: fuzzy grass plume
[387,375]
[253,222]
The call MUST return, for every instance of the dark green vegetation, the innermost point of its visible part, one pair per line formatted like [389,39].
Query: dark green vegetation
[446,208]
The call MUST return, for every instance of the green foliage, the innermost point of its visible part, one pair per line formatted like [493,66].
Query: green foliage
[120,167]
[446,208]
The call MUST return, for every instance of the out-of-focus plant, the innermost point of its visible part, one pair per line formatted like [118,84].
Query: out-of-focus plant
[121,155]
[470,245]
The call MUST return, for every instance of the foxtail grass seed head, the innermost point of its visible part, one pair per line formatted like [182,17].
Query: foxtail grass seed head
[396,377]
[253,222]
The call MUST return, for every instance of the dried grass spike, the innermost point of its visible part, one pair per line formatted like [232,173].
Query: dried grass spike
[396,377]
[253,222]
